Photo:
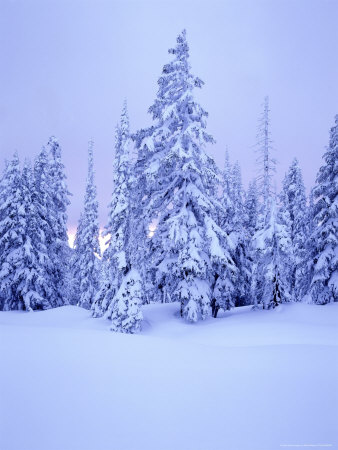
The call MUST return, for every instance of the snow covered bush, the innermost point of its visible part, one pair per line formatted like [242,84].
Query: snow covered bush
[126,315]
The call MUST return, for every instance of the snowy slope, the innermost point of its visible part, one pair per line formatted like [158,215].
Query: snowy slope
[248,380]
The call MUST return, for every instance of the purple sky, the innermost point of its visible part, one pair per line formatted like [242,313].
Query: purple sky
[66,67]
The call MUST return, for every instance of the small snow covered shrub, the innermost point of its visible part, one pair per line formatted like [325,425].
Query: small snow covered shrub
[126,313]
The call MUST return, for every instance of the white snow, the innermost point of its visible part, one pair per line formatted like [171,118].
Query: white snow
[253,380]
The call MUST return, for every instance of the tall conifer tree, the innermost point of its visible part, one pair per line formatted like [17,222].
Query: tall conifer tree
[293,199]
[324,283]
[84,264]
[188,248]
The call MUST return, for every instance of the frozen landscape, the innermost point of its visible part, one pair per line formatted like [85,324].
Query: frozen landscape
[168,279]
[253,380]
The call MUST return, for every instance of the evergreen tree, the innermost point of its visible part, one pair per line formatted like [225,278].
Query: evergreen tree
[104,294]
[11,232]
[126,315]
[121,294]
[241,239]
[324,284]
[117,228]
[188,247]
[307,267]
[30,280]
[23,280]
[271,277]
[87,242]
[44,204]
[251,206]
[227,195]
[293,200]
[266,163]
[59,248]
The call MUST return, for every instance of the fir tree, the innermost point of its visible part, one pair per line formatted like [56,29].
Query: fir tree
[293,200]
[266,163]
[227,195]
[251,205]
[117,228]
[44,204]
[241,240]
[87,242]
[104,294]
[121,294]
[324,284]
[23,280]
[271,277]
[59,248]
[188,247]
[30,280]
[11,232]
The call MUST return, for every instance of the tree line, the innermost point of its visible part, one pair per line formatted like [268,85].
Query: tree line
[179,228]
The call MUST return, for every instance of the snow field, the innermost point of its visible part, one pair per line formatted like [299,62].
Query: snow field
[248,380]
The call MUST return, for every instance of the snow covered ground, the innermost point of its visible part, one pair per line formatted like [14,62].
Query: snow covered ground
[248,380]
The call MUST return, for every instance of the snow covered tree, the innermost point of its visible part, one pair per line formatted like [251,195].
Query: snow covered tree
[293,199]
[31,279]
[227,194]
[271,278]
[306,268]
[59,248]
[266,164]
[234,218]
[44,202]
[105,293]
[126,314]
[188,247]
[252,208]
[121,294]
[251,205]
[241,240]
[84,267]
[117,228]
[324,284]
[11,232]
[23,253]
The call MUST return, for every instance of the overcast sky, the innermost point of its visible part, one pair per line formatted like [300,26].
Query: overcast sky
[66,67]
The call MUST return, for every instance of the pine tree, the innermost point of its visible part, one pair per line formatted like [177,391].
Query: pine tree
[266,163]
[44,204]
[241,239]
[23,280]
[126,315]
[59,248]
[104,294]
[11,232]
[251,205]
[187,246]
[117,228]
[307,267]
[293,200]
[271,277]
[324,284]
[227,194]
[30,279]
[84,264]
[121,294]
